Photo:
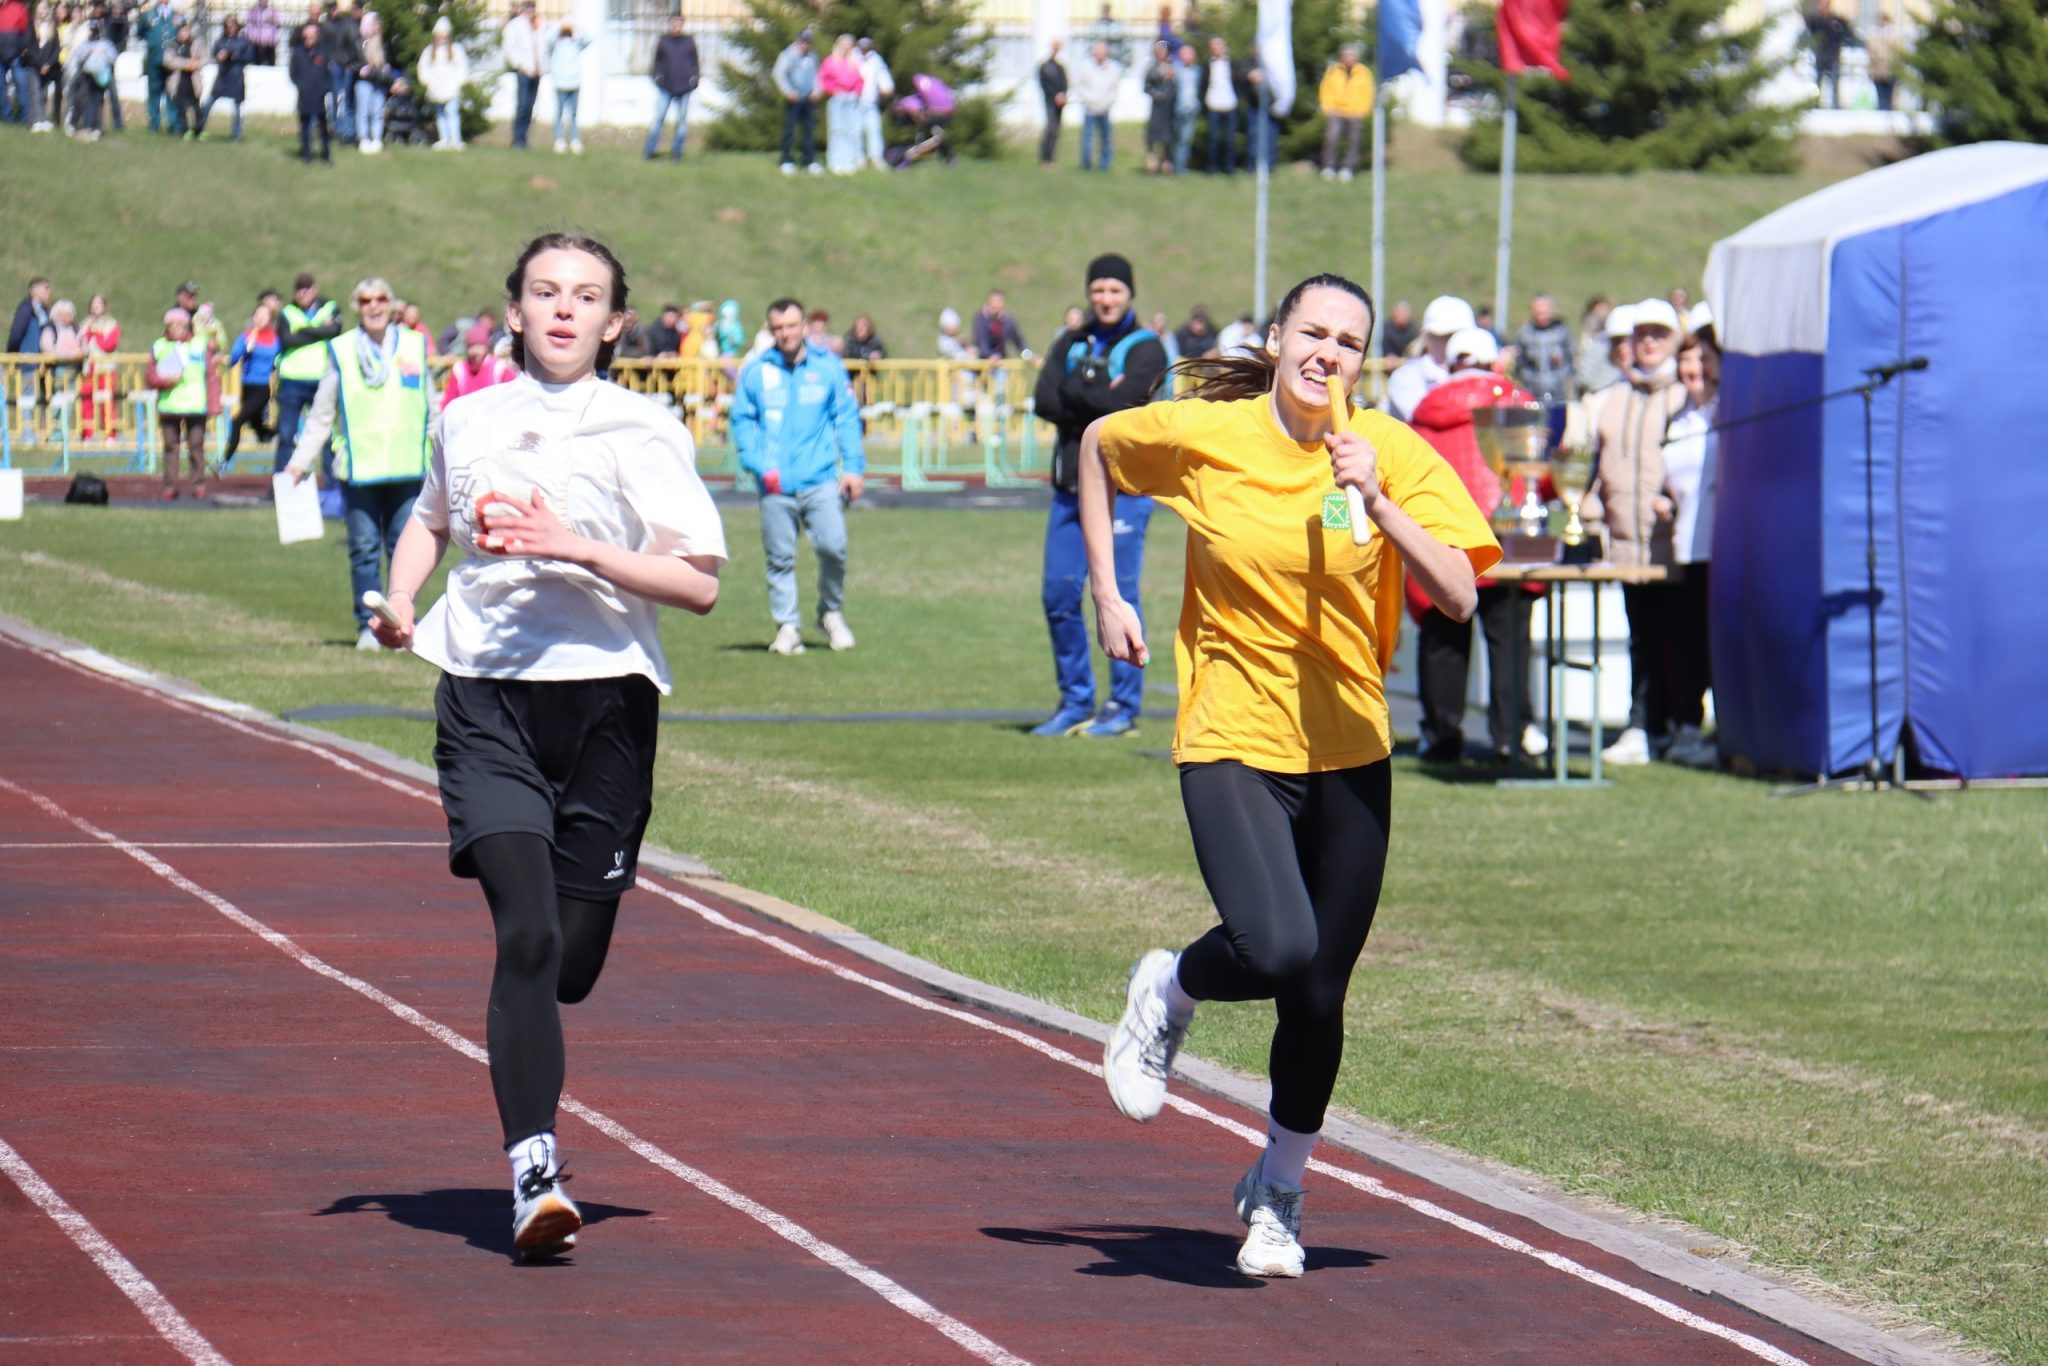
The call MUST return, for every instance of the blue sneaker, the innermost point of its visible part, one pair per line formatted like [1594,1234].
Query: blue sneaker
[1067,720]
[1113,720]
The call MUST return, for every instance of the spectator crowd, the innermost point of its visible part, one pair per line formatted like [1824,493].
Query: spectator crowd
[1634,385]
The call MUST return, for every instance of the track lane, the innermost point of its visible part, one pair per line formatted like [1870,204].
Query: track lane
[872,1123]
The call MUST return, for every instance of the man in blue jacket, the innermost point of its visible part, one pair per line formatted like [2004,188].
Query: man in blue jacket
[796,426]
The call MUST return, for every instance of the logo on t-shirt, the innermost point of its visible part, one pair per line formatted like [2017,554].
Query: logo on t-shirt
[1336,512]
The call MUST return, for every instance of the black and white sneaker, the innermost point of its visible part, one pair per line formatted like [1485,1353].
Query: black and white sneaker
[544,1219]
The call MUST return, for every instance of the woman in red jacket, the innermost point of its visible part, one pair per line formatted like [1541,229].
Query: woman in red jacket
[1444,648]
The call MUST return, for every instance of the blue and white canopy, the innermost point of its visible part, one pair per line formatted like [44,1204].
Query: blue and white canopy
[1943,256]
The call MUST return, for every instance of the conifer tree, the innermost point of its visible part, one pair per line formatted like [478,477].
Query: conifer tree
[1655,85]
[937,37]
[1982,67]
[409,28]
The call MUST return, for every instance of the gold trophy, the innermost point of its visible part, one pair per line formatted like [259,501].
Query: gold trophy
[1571,469]
[1515,439]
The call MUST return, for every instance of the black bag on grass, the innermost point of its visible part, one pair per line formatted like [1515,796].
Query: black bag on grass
[87,488]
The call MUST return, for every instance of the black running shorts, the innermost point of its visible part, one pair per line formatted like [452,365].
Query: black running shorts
[572,762]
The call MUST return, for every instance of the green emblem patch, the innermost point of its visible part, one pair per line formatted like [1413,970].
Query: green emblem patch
[1336,512]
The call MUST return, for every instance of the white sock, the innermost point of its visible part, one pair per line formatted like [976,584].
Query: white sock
[1179,1005]
[524,1155]
[1287,1153]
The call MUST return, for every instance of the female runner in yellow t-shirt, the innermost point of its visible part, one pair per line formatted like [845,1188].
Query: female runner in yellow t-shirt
[1282,738]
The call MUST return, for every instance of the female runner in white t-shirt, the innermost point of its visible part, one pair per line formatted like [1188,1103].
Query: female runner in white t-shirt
[579,513]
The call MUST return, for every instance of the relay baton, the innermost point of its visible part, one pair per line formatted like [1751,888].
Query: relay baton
[1340,411]
[381,609]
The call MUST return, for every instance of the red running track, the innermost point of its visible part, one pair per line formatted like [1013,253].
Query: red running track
[242,1013]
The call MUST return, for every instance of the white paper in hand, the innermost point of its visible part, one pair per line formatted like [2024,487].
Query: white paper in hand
[298,509]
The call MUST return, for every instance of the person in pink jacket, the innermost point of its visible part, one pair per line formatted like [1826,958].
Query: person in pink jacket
[479,367]
[840,80]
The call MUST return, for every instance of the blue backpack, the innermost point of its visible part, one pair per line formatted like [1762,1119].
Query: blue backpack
[1078,351]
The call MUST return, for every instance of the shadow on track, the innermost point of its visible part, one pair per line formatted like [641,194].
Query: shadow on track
[480,1217]
[1198,1257]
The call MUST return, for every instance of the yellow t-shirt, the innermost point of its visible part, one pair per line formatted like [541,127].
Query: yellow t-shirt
[1286,627]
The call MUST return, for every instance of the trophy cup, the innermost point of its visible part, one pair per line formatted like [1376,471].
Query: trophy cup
[1515,439]
[1571,469]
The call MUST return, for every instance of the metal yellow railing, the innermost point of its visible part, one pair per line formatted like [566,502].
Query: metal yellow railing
[930,424]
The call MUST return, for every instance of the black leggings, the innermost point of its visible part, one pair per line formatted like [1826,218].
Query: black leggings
[255,404]
[550,950]
[1293,862]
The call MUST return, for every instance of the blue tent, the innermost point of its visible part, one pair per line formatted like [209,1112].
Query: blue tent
[1943,256]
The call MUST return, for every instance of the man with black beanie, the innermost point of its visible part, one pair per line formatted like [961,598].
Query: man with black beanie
[1107,364]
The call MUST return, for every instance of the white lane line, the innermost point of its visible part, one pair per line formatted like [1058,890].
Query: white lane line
[910,1303]
[231,844]
[105,669]
[1370,1185]
[126,1276]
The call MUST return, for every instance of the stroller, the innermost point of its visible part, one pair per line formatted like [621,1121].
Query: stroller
[404,125]
[928,109]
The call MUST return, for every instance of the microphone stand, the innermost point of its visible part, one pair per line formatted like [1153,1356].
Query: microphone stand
[1873,777]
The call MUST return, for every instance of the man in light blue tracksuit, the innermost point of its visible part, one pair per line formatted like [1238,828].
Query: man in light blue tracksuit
[796,426]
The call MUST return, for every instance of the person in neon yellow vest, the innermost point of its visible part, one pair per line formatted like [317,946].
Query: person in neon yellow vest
[179,365]
[304,328]
[375,402]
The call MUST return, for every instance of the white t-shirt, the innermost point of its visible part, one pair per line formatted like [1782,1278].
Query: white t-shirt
[615,466]
[1414,378]
[1221,95]
[1690,448]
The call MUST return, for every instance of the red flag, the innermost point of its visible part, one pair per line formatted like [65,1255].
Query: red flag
[1529,31]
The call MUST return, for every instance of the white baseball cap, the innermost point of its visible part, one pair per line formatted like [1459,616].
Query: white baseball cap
[1474,344]
[1655,313]
[1621,322]
[1700,318]
[1447,313]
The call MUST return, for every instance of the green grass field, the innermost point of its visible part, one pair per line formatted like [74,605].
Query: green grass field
[1814,1028]
[132,216]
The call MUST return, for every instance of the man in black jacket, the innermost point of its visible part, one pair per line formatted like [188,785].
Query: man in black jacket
[1052,84]
[31,315]
[341,42]
[676,74]
[1104,366]
[309,77]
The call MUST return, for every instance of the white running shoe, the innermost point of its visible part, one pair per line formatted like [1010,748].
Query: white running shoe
[1632,747]
[561,146]
[788,640]
[836,633]
[576,146]
[1146,1040]
[367,640]
[1272,1211]
[1534,742]
[544,1220]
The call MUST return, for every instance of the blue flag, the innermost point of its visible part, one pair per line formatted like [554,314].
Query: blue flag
[1400,34]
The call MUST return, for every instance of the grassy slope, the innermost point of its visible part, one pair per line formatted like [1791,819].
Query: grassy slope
[132,216]
[1813,1027]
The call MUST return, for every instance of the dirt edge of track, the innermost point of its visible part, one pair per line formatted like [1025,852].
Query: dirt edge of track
[1679,1253]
